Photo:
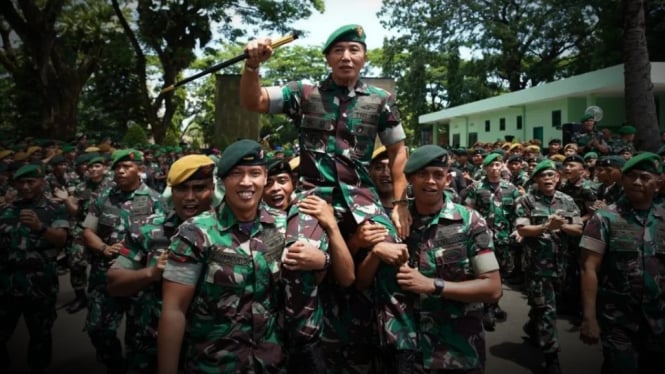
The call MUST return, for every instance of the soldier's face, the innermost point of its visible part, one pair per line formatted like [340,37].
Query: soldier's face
[127,175]
[277,192]
[428,185]
[547,181]
[587,125]
[379,171]
[29,188]
[60,169]
[96,172]
[569,151]
[603,175]
[346,60]
[591,162]
[477,159]
[193,197]
[573,171]
[515,167]
[555,147]
[640,186]
[244,189]
[493,171]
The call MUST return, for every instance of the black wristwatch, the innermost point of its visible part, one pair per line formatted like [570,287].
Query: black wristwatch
[326,264]
[439,285]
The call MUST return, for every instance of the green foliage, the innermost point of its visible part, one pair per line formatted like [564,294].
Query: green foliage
[135,136]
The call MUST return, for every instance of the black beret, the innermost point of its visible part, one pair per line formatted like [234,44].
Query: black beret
[615,161]
[574,158]
[58,159]
[555,141]
[242,152]
[278,166]
[427,155]
[83,158]
[515,158]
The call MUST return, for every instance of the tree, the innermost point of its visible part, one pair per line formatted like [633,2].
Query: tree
[50,48]
[171,30]
[640,104]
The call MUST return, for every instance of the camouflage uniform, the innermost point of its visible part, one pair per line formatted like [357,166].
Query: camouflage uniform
[610,194]
[450,333]
[521,179]
[583,138]
[114,210]
[28,279]
[631,284]
[620,145]
[583,193]
[497,204]
[234,321]
[147,305]
[544,261]
[338,128]
[85,194]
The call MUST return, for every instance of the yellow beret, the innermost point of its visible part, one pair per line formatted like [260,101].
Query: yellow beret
[294,163]
[186,166]
[20,156]
[557,157]
[533,148]
[104,148]
[515,146]
[33,149]
[92,149]
[378,151]
[5,153]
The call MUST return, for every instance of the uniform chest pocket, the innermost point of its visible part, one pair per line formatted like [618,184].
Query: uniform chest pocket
[316,131]
[451,261]
[508,203]
[363,135]
[626,257]
[224,283]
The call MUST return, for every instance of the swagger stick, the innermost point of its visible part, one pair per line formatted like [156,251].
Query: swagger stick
[277,43]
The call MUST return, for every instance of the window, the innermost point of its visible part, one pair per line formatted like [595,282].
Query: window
[556,118]
[519,122]
[456,140]
[487,126]
[473,138]
[502,124]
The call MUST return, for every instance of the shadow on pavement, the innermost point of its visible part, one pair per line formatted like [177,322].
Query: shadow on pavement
[515,352]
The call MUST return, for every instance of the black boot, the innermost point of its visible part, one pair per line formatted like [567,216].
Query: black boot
[489,320]
[499,313]
[552,363]
[531,334]
[80,302]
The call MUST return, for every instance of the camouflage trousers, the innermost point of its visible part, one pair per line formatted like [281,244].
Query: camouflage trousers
[541,296]
[39,315]
[571,302]
[143,357]
[506,259]
[105,314]
[76,260]
[627,352]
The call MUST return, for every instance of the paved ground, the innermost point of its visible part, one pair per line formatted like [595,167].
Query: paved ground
[506,350]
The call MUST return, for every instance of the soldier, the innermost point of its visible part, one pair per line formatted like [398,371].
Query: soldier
[553,147]
[452,269]
[130,201]
[32,231]
[494,198]
[623,273]
[583,192]
[379,171]
[590,161]
[279,189]
[625,141]
[519,177]
[225,270]
[545,219]
[138,270]
[338,119]
[588,139]
[609,175]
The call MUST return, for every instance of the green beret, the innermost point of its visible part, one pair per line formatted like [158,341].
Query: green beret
[242,152]
[190,167]
[491,158]
[614,161]
[98,159]
[589,155]
[288,152]
[128,154]
[57,159]
[278,166]
[427,155]
[347,33]
[460,151]
[586,117]
[68,148]
[646,161]
[627,129]
[29,171]
[542,166]
[499,151]
[573,158]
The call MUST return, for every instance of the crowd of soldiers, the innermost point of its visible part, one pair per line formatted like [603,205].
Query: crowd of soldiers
[344,257]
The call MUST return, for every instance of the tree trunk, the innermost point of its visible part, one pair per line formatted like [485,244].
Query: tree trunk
[60,109]
[640,102]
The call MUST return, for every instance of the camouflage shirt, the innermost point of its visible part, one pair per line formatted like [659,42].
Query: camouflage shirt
[27,259]
[631,280]
[583,193]
[544,254]
[455,245]
[583,138]
[495,202]
[234,320]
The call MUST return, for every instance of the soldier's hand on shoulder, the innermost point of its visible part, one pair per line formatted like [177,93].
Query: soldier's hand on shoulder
[368,234]
[303,256]
[391,253]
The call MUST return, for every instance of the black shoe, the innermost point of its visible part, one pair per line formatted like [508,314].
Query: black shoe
[530,331]
[77,305]
[499,313]
[552,364]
